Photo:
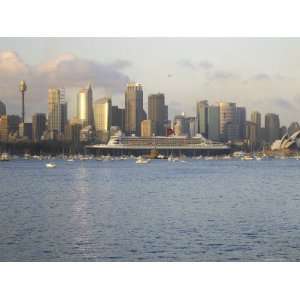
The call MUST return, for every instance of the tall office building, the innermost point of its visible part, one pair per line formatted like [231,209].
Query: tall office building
[229,130]
[38,126]
[118,117]
[241,121]
[181,125]
[9,125]
[272,126]
[192,126]
[202,110]
[147,128]
[213,120]
[84,106]
[2,109]
[251,135]
[63,116]
[256,118]
[54,113]
[157,111]
[134,113]
[103,114]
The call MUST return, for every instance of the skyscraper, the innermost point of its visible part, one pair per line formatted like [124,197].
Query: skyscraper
[103,114]
[2,109]
[157,111]
[38,126]
[9,125]
[241,121]
[228,121]
[134,113]
[63,116]
[147,128]
[272,125]
[213,119]
[256,118]
[84,106]
[118,117]
[202,107]
[54,119]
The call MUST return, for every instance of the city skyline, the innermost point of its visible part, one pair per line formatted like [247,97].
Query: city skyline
[260,74]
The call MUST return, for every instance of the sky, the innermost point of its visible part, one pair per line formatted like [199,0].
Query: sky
[258,73]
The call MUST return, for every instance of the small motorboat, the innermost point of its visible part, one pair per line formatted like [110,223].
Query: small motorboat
[142,160]
[50,165]
[4,157]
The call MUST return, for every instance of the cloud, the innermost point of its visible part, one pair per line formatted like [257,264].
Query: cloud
[261,76]
[202,65]
[222,75]
[66,70]
[282,103]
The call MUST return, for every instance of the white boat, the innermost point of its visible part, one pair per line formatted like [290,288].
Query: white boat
[51,165]
[247,157]
[70,160]
[4,157]
[142,160]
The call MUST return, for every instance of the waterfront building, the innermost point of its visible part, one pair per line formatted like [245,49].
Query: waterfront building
[25,130]
[63,116]
[148,128]
[84,106]
[241,121]
[118,117]
[134,113]
[272,126]
[157,111]
[54,119]
[256,118]
[202,117]
[87,134]
[192,126]
[72,132]
[2,109]
[38,126]
[251,135]
[103,118]
[213,122]
[228,121]
[180,125]
[9,125]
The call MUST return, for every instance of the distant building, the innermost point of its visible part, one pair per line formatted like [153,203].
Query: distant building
[180,125]
[157,112]
[25,130]
[72,132]
[272,126]
[9,125]
[241,121]
[134,113]
[256,119]
[213,122]
[192,126]
[251,135]
[54,119]
[228,121]
[84,106]
[38,126]
[118,117]
[147,128]
[2,109]
[202,117]
[102,118]
[63,116]
[87,134]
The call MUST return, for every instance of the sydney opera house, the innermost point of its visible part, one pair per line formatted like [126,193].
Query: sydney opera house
[291,143]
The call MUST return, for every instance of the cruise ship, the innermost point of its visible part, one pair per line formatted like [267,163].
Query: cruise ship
[172,145]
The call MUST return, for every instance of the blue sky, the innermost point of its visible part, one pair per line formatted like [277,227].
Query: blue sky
[261,74]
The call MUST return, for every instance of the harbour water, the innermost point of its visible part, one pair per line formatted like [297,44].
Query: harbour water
[197,210]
